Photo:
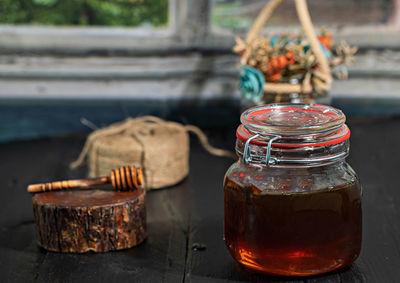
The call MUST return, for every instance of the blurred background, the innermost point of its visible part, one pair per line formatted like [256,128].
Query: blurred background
[105,60]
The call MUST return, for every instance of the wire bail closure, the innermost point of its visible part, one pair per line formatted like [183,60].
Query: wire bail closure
[269,160]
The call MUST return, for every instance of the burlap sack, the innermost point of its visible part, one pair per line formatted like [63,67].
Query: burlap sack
[161,148]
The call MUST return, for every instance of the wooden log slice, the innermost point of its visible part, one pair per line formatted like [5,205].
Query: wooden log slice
[89,220]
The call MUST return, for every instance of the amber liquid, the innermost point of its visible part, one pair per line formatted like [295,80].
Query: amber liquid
[293,234]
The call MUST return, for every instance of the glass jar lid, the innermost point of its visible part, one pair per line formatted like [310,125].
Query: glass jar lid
[296,125]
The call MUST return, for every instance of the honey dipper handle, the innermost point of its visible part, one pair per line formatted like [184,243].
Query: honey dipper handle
[69,184]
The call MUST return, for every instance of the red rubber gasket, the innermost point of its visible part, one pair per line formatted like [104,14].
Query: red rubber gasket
[335,141]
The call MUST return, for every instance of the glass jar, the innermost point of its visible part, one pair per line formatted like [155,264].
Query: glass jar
[292,205]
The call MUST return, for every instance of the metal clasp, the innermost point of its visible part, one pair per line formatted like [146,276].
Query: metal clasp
[246,151]
[269,160]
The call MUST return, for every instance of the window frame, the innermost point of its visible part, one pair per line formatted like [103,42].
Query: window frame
[198,56]
[74,40]
[189,29]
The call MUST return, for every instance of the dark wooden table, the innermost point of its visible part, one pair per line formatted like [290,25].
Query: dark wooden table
[190,215]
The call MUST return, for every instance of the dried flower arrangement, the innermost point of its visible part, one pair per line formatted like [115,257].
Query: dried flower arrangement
[269,62]
[285,55]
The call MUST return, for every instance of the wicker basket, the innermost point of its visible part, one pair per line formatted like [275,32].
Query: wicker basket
[281,91]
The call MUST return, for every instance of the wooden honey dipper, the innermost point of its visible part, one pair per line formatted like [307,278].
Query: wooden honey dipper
[124,178]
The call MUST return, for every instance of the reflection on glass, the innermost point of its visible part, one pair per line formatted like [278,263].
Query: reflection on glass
[240,14]
[85,12]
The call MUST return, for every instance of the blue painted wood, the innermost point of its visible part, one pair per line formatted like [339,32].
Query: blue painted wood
[21,120]
[368,107]
[27,119]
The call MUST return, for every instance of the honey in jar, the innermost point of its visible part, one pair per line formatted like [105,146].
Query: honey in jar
[292,204]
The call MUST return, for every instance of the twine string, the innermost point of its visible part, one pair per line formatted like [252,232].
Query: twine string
[135,128]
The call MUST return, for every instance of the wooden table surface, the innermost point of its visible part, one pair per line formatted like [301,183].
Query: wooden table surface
[190,215]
